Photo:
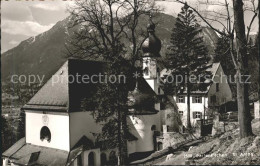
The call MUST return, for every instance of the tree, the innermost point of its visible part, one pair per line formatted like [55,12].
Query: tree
[187,55]
[222,55]
[107,31]
[21,125]
[241,65]
[234,23]
[6,133]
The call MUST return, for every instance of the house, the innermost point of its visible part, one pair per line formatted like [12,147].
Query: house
[59,132]
[219,91]
[202,103]
[198,106]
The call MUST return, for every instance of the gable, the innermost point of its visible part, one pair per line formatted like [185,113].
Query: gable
[54,94]
[64,90]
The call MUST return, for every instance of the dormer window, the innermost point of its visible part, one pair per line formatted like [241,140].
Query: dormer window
[45,134]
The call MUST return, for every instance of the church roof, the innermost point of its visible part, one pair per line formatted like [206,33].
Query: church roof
[63,91]
[22,153]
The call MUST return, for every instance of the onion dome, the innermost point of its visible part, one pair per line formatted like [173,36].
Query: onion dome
[140,102]
[152,45]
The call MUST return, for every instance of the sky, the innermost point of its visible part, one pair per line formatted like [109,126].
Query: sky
[22,19]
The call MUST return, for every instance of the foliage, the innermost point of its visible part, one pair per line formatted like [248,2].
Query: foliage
[21,125]
[222,55]
[7,135]
[187,58]
[102,29]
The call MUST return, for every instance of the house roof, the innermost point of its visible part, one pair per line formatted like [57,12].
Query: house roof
[14,148]
[24,154]
[55,92]
[214,68]
[63,91]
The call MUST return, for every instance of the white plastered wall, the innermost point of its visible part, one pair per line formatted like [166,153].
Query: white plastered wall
[58,126]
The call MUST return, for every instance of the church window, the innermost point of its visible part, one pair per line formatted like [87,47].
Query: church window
[160,146]
[112,158]
[103,159]
[79,160]
[45,134]
[153,127]
[91,159]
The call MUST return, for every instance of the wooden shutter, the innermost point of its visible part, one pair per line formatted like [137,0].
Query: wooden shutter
[193,99]
[194,115]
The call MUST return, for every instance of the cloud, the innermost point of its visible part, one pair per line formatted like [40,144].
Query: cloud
[47,7]
[13,42]
[58,5]
[27,28]
[18,12]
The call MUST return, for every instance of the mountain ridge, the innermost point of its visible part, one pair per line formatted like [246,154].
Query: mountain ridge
[43,54]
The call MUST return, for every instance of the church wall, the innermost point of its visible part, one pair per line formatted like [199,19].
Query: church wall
[140,126]
[153,84]
[57,124]
[82,123]
[131,147]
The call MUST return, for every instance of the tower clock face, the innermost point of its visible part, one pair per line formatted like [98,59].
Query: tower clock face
[45,120]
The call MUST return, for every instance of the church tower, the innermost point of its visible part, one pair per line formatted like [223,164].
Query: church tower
[151,51]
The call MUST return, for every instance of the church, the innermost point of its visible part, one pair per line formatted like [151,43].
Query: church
[58,132]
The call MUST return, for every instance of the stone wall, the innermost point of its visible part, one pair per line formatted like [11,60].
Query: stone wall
[222,126]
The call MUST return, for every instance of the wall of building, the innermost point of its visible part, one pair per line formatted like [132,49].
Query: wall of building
[194,107]
[82,123]
[224,94]
[85,155]
[57,124]
[131,147]
[140,126]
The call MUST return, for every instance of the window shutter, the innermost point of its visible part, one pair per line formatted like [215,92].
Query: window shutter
[184,99]
[200,115]
[193,99]
[177,99]
[194,115]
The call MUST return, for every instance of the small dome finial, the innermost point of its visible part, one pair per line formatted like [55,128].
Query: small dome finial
[152,45]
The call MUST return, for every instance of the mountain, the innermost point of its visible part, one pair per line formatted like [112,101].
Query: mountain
[43,54]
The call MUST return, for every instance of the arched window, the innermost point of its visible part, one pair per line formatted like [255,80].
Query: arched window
[160,146]
[91,159]
[112,158]
[79,160]
[103,159]
[45,134]
[153,127]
